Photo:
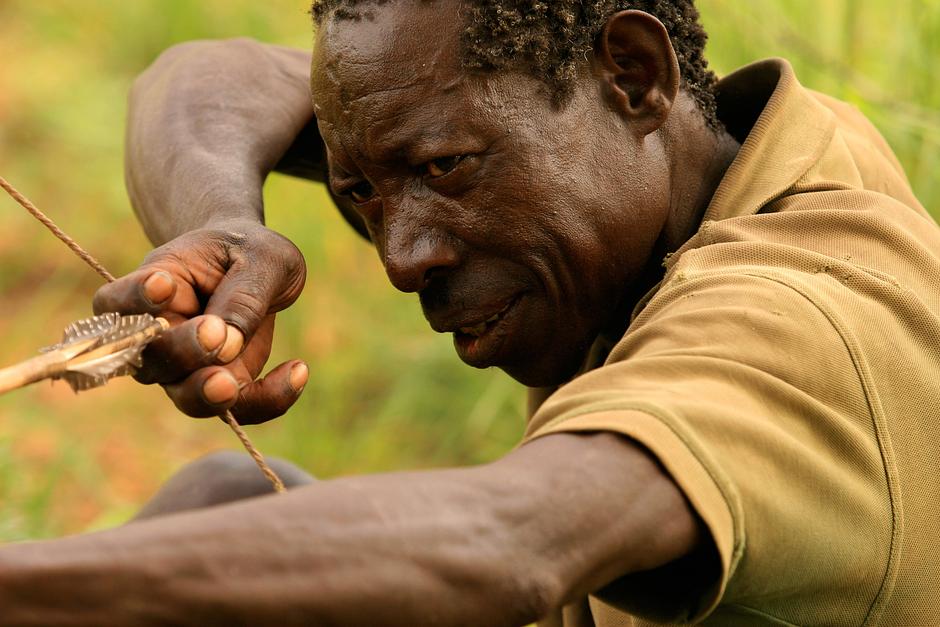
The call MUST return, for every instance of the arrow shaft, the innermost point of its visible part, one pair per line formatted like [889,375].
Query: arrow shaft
[30,371]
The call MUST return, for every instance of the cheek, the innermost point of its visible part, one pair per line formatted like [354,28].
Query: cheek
[607,242]
[633,203]
[507,210]
[539,212]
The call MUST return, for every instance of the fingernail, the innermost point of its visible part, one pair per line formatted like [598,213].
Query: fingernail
[299,373]
[219,388]
[234,341]
[211,333]
[158,287]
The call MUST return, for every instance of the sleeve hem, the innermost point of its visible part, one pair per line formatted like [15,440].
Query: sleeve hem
[713,504]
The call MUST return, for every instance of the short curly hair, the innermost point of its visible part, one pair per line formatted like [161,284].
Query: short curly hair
[549,37]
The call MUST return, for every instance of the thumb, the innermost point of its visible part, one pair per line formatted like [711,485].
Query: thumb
[262,279]
[243,299]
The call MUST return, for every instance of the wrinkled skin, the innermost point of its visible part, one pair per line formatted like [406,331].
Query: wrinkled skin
[238,272]
[558,216]
[551,212]
[555,220]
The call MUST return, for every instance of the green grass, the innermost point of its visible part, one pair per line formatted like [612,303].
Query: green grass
[385,393]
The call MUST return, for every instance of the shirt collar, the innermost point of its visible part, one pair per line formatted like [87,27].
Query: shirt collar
[788,131]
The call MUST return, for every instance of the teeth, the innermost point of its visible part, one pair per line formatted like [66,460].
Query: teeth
[480,329]
[476,331]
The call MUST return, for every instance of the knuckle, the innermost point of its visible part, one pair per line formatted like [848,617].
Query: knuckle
[256,406]
[146,375]
[189,403]
[174,356]
[162,371]
[247,307]
[118,296]
[100,303]
[163,256]
[236,239]
[295,277]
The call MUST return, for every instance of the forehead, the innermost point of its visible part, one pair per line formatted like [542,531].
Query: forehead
[395,53]
[392,85]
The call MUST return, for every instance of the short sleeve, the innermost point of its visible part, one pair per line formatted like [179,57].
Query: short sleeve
[742,386]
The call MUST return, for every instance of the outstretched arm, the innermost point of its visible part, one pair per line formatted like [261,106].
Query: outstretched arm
[500,544]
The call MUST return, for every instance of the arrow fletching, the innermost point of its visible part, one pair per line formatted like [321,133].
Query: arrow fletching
[116,351]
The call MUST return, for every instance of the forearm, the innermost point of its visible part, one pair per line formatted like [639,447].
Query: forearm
[206,124]
[495,545]
[337,553]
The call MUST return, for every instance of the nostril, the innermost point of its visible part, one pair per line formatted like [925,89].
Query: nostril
[437,272]
[412,265]
[414,277]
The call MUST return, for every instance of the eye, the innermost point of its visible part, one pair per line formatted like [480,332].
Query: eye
[437,168]
[362,192]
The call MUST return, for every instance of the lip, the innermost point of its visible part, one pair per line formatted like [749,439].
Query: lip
[453,322]
[482,349]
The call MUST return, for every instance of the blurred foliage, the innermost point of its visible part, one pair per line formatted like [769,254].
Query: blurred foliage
[385,393]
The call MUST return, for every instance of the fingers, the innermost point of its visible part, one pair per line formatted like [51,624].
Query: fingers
[186,347]
[210,391]
[263,278]
[241,276]
[147,290]
[271,397]
[219,289]
[243,299]
[206,392]
[190,343]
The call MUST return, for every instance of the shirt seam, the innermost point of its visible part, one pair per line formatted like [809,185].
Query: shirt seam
[762,614]
[876,415]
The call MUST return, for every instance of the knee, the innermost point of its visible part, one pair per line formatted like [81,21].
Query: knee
[217,463]
[233,475]
[218,478]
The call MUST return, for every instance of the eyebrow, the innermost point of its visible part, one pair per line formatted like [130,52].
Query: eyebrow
[426,144]
[337,176]
[413,138]
[393,145]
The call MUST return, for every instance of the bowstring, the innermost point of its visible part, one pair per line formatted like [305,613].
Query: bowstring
[88,258]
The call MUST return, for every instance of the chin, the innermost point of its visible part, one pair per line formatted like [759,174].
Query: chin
[544,373]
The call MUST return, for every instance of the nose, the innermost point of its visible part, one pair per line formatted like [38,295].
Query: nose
[414,256]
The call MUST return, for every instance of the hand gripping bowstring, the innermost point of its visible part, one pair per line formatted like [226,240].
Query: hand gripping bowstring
[95,350]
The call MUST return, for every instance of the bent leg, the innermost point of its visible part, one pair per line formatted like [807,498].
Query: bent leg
[218,478]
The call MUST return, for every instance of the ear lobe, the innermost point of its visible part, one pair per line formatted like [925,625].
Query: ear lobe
[640,67]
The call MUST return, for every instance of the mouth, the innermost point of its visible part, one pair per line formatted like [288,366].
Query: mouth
[481,329]
[479,344]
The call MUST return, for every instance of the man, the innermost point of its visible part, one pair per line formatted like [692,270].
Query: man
[741,435]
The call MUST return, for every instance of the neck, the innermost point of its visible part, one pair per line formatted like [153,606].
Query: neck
[700,157]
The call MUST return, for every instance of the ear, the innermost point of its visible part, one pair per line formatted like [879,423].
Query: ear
[640,67]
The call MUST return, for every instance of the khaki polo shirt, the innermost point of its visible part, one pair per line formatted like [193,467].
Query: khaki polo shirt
[786,373]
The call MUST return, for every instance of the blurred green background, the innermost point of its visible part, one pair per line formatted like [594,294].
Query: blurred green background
[386,393]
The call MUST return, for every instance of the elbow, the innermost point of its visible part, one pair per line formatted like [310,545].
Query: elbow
[499,588]
[536,595]
[192,59]
[504,568]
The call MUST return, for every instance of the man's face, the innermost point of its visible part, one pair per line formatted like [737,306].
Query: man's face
[520,225]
